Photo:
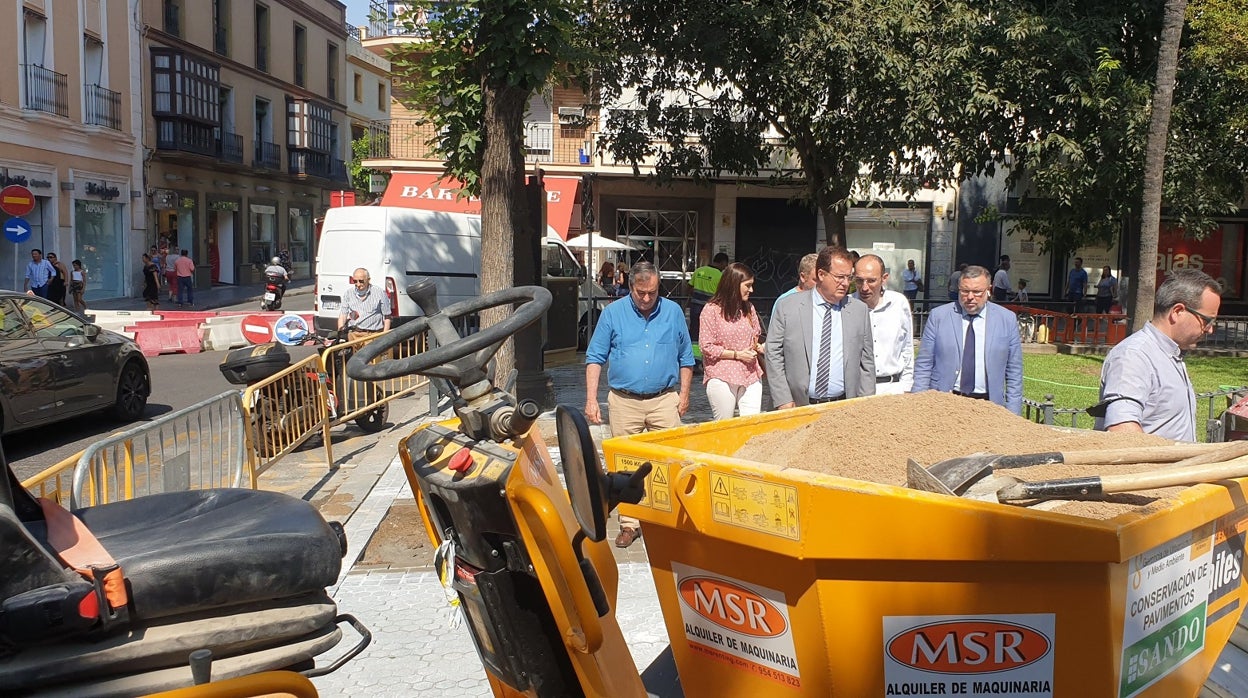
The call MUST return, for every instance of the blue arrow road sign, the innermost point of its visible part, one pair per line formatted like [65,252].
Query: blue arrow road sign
[17,230]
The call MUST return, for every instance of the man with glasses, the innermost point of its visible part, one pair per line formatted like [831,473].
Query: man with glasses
[1144,382]
[819,346]
[366,309]
[972,347]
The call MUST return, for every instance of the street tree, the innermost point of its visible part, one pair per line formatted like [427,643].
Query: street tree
[868,96]
[470,69]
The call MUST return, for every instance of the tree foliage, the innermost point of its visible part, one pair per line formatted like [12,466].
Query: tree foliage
[867,94]
[361,148]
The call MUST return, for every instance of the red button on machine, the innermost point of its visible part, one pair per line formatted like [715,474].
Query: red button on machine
[461,462]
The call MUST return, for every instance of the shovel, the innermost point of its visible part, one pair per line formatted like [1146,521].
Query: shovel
[955,475]
[1002,488]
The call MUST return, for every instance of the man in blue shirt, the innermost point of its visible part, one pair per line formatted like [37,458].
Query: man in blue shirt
[1077,284]
[645,343]
[38,273]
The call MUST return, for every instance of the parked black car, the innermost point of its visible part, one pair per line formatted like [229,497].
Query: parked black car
[54,365]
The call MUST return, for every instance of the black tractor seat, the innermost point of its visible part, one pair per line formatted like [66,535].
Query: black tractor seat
[240,572]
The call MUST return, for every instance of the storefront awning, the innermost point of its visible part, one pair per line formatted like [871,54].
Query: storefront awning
[432,192]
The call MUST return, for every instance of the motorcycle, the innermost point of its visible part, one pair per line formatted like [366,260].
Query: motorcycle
[274,289]
[293,405]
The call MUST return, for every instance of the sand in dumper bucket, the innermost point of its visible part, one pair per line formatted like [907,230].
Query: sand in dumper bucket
[790,559]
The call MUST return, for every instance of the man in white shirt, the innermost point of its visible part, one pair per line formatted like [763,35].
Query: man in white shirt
[892,327]
[1001,286]
[910,280]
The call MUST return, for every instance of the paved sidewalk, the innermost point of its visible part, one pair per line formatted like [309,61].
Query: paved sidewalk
[216,297]
[415,649]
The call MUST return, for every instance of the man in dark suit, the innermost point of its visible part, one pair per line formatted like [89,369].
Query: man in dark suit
[819,346]
[972,347]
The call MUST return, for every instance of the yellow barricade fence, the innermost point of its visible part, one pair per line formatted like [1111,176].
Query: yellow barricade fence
[199,447]
[55,482]
[285,410]
[353,398]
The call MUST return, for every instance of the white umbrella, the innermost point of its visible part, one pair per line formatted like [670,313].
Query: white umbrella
[595,241]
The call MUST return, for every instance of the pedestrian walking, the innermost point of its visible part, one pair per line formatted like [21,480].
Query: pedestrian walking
[731,349]
[151,283]
[1077,285]
[1001,285]
[78,285]
[953,281]
[645,344]
[59,283]
[703,283]
[38,273]
[171,276]
[184,269]
[805,275]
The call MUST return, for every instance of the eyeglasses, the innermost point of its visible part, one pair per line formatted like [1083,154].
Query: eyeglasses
[840,278]
[973,292]
[1206,322]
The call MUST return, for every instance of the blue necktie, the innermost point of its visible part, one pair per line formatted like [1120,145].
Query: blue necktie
[968,358]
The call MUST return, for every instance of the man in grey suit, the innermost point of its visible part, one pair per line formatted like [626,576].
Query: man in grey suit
[819,346]
[972,347]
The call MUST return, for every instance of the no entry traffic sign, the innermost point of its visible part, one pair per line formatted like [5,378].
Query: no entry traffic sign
[16,200]
[257,329]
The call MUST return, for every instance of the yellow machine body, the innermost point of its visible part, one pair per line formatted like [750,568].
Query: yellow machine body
[778,581]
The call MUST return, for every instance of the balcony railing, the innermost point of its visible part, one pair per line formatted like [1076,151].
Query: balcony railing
[188,137]
[338,171]
[268,156]
[45,90]
[101,106]
[409,139]
[231,145]
[308,163]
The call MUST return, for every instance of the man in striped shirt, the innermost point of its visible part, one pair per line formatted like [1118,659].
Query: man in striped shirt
[366,309]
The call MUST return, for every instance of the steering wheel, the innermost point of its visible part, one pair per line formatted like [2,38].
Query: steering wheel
[446,360]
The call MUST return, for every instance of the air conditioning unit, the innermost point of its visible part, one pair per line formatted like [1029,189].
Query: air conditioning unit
[571,114]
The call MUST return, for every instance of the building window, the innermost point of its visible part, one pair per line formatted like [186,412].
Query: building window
[381,97]
[262,38]
[357,85]
[185,94]
[173,17]
[309,126]
[301,56]
[221,27]
[262,230]
[331,72]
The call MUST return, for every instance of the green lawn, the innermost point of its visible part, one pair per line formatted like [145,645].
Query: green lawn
[1073,380]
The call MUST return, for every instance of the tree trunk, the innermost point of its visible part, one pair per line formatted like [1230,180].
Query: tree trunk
[1155,160]
[833,225]
[502,202]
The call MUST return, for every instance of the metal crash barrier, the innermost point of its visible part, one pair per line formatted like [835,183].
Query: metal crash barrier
[285,410]
[353,398]
[54,482]
[199,447]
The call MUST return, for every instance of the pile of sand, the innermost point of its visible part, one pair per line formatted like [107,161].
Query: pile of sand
[872,439]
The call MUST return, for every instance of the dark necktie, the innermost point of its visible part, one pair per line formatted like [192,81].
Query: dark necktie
[968,358]
[823,369]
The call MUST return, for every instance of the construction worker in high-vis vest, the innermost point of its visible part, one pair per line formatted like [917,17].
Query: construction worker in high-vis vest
[704,282]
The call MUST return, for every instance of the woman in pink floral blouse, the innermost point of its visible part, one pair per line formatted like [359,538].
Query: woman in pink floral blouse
[729,339]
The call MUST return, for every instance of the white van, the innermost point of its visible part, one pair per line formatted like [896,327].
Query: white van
[397,245]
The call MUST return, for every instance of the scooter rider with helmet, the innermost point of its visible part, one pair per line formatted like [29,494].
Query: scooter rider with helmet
[277,272]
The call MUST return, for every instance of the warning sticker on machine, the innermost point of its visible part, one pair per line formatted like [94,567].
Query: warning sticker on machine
[658,482]
[743,625]
[755,504]
[988,655]
[1168,590]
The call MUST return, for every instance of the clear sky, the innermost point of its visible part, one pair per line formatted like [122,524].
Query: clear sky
[357,12]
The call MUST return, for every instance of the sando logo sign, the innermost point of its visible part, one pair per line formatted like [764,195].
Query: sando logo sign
[969,647]
[732,607]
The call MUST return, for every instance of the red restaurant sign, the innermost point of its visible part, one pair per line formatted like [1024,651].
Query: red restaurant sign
[432,193]
[1220,255]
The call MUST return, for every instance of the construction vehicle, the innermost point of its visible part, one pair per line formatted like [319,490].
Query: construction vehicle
[776,581]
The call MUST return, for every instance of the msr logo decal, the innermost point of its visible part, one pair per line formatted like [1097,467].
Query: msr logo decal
[733,607]
[969,646]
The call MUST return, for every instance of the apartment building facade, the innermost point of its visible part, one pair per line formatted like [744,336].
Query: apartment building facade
[368,77]
[245,127]
[71,137]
